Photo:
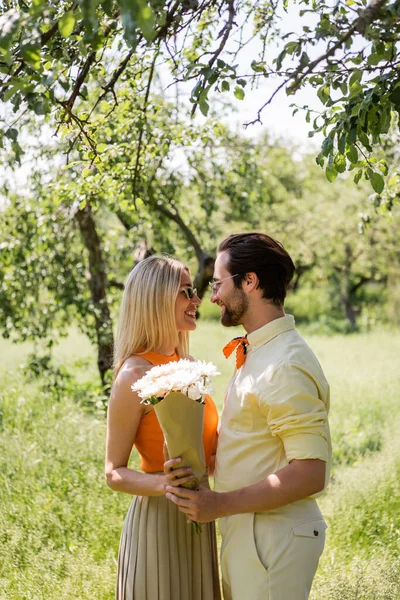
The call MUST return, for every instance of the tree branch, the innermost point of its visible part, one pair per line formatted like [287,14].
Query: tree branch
[225,32]
[139,148]
[123,220]
[117,284]
[111,84]
[176,217]
[359,284]
[369,14]
[365,18]
[79,82]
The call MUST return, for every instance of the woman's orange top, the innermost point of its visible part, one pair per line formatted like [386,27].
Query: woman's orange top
[149,437]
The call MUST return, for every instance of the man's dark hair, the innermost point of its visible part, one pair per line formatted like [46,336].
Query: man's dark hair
[258,253]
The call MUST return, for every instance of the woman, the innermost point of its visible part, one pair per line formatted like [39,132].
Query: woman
[160,557]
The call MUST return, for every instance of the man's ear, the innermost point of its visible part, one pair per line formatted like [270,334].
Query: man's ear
[250,282]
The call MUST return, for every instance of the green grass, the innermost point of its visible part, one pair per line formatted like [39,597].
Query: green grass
[60,525]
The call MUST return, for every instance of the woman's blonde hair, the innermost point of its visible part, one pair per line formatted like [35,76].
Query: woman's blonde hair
[147,315]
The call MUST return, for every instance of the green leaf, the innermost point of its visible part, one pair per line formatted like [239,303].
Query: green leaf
[358,176]
[291,47]
[239,92]
[225,86]
[373,59]
[352,154]
[137,15]
[258,67]
[330,172]
[41,106]
[101,148]
[9,93]
[340,163]
[12,134]
[377,182]
[327,146]
[342,143]
[304,59]
[279,59]
[66,24]
[9,27]
[203,104]
[204,107]
[129,21]
[31,55]
[352,136]
[146,21]
[323,94]
[364,140]
[196,91]
[355,77]
[395,96]
[383,166]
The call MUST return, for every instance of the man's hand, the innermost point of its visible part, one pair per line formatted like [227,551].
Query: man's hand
[202,506]
[298,480]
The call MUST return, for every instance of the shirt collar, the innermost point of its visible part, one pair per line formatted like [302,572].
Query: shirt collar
[270,330]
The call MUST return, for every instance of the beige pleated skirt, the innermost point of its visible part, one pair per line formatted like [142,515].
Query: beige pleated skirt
[161,557]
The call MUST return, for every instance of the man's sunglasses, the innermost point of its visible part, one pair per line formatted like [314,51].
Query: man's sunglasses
[189,292]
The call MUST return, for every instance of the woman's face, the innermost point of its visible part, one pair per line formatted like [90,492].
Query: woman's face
[185,307]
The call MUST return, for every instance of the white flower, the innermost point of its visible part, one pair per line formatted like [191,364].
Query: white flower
[192,378]
[195,391]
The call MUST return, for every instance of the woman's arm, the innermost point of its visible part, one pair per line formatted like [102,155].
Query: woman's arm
[123,419]
[211,467]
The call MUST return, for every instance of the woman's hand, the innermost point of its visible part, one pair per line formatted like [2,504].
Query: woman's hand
[175,476]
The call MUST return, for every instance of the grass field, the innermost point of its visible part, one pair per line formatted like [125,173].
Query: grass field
[60,525]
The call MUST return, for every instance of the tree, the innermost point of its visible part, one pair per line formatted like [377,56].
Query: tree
[344,251]
[72,241]
[68,244]
[64,58]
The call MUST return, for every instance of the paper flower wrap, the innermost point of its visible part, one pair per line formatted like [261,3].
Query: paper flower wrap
[182,423]
[177,391]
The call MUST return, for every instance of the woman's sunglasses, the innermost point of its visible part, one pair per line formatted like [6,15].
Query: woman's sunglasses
[189,292]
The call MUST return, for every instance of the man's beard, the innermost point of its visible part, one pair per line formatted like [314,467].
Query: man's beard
[234,313]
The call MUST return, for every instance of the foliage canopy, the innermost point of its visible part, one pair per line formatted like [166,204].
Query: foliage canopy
[64,58]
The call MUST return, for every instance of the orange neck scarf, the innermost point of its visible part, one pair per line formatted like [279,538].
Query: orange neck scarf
[240,344]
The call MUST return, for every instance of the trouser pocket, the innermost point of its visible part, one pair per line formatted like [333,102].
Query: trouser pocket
[313,529]
[289,552]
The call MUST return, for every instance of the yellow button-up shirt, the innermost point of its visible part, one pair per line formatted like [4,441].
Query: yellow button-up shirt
[276,409]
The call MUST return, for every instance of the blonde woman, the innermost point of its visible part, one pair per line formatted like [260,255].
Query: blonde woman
[160,555]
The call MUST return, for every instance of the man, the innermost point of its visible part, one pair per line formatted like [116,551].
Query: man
[274,447]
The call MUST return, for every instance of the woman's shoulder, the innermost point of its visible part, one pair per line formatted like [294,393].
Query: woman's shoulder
[132,369]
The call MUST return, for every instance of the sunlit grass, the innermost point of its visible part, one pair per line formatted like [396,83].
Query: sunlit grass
[60,525]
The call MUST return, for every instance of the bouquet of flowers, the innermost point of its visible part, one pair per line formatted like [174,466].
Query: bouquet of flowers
[177,391]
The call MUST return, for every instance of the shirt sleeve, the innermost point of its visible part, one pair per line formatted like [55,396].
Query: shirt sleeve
[296,413]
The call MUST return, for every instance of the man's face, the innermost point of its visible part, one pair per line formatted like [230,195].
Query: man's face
[232,300]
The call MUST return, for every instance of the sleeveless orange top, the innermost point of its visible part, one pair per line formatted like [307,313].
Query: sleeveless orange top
[149,437]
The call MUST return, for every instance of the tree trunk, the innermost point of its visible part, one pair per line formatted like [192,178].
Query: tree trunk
[204,273]
[142,251]
[299,272]
[350,311]
[97,283]
[205,261]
